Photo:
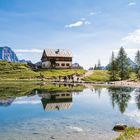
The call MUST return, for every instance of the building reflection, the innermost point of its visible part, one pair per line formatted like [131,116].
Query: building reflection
[57,101]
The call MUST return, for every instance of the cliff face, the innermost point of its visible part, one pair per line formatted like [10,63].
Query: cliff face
[7,54]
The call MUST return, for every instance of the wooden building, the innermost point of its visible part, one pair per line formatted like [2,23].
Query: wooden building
[59,58]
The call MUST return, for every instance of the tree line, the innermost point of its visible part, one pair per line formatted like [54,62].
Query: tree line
[120,66]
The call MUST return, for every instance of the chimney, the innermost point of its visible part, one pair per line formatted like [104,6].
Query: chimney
[57,51]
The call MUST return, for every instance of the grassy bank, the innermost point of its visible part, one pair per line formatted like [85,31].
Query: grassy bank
[104,76]
[130,134]
[98,76]
[17,89]
[62,72]
[15,71]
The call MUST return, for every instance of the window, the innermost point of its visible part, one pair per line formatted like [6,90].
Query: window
[67,64]
[57,64]
[43,65]
[62,64]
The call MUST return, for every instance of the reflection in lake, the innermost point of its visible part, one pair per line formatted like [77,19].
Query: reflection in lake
[120,97]
[66,112]
[6,102]
[57,101]
[137,98]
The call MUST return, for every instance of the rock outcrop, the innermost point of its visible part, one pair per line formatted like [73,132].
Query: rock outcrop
[7,54]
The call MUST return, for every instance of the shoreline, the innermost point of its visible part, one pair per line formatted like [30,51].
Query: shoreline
[127,84]
[124,83]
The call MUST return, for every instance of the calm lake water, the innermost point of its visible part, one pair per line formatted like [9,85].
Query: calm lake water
[86,115]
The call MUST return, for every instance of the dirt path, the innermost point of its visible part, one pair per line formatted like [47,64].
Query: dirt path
[88,73]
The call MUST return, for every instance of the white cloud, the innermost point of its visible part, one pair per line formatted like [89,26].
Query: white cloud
[78,129]
[128,50]
[135,115]
[133,37]
[28,50]
[78,23]
[20,54]
[131,52]
[27,100]
[131,3]
[87,23]
[92,13]
[83,19]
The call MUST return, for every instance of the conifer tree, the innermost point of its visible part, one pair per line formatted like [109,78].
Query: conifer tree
[123,64]
[95,67]
[99,65]
[137,60]
[113,67]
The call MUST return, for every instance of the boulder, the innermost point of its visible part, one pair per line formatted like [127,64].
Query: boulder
[120,127]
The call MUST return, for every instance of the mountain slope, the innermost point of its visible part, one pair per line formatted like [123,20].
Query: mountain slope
[132,64]
[7,54]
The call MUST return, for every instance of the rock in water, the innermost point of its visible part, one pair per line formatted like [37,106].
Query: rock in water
[7,54]
[120,127]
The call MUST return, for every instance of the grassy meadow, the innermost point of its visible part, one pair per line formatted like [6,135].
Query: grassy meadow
[98,76]
[21,71]
[15,71]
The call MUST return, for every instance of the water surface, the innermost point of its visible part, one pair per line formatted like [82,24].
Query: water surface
[86,114]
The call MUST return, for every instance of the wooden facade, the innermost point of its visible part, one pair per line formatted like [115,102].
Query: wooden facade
[56,58]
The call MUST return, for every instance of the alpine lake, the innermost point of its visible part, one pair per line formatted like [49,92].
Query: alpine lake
[38,111]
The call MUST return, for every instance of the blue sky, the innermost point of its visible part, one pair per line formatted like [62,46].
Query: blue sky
[91,29]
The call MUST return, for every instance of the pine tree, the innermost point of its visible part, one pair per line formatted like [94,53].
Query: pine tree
[123,64]
[95,67]
[99,65]
[113,67]
[137,60]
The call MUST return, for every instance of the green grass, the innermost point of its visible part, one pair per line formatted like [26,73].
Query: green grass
[133,76]
[130,134]
[14,71]
[62,72]
[98,76]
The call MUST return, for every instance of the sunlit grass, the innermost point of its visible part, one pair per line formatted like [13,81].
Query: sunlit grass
[130,134]
[15,71]
[62,72]
[98,76]
[133,76]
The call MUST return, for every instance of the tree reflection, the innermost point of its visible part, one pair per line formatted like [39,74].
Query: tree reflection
[137,92]
[120,97]
[98,90]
